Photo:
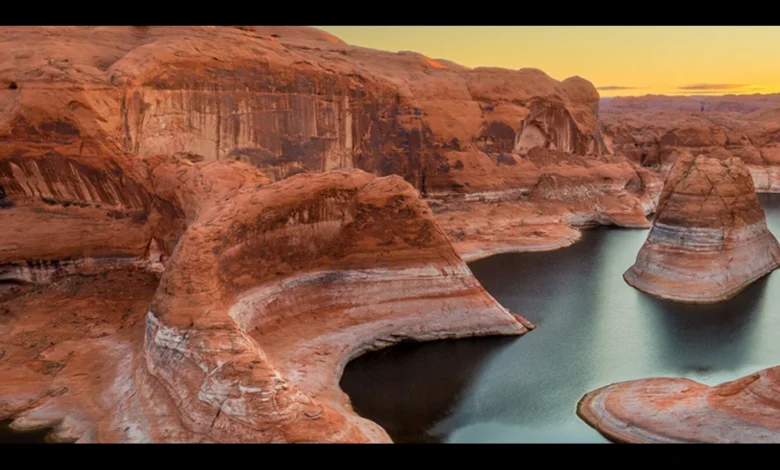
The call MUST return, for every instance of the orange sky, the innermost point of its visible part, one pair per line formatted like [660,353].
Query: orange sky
[619,60]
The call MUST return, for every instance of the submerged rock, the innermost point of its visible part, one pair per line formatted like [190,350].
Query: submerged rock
[709,239]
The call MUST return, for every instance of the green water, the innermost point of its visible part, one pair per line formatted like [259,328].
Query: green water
[592,330]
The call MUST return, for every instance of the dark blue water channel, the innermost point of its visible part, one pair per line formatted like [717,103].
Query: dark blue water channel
[592,330]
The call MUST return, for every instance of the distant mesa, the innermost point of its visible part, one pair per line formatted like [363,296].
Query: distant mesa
[709,239]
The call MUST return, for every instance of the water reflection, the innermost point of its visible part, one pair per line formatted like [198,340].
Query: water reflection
[702,338]
[420,382]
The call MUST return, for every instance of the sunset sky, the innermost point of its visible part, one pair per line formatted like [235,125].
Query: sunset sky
[619,60]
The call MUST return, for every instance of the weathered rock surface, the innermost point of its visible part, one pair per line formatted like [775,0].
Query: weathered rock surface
[270,290]
[134,148]
[568,192]
[80,105]
[654,132]
[71,359]
[667,410]
[709,238]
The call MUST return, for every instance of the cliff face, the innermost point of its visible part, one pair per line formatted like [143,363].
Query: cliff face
[689,104]
[666,410]
[138,150]
[286,100]
[709,238]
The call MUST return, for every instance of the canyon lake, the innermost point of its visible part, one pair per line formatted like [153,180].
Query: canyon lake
[592,329]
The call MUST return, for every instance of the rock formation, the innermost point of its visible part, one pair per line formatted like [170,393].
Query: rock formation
[689,104]
[709,238]
[81,107]
[274,177]
[270,290]
[653,132]
[666,410]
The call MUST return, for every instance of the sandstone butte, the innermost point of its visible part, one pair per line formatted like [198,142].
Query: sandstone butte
[668,410]
[709,238]
[655,130]
[86,103]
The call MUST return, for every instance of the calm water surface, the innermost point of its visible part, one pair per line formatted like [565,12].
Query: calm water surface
[592,330]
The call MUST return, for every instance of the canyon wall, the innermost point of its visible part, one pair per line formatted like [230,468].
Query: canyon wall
[269,291]
[292,100]
[275,177]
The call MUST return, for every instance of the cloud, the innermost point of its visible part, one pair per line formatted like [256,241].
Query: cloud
[712,87]
[615,87]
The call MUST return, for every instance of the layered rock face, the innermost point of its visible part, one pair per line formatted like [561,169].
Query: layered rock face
[286,100]
[71,359]
[138,149]
[291,100]
[654,134]
[569,192]
[709,238]
[665,410]
[270,290]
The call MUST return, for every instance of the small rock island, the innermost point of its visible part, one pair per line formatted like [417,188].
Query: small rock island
[709,239]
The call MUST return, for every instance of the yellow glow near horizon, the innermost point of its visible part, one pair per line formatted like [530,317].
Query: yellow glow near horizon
[619,60]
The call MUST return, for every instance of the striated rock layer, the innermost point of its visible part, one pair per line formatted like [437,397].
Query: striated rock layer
[269,291]
[655,130]
[83,109]
[71,360]
[709,238]
[665,410]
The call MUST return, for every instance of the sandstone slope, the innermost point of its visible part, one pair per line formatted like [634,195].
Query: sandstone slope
[665,410]
[709,238]
[270,290]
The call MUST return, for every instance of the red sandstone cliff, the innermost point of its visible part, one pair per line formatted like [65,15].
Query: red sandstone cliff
[133,148]
[80,106]
[719,104]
